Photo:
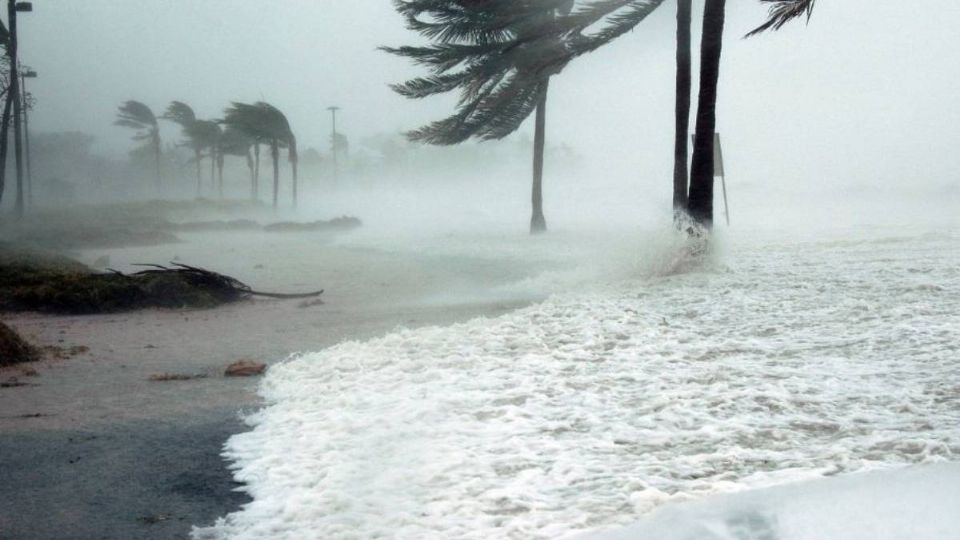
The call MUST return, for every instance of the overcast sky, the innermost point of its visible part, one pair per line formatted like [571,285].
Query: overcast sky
[867,92]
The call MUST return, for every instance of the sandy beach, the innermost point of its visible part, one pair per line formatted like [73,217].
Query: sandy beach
[92,448]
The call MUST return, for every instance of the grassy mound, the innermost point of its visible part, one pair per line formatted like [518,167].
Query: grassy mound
[37,281]
[13,349]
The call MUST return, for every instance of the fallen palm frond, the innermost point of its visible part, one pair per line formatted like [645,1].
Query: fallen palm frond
[80,291]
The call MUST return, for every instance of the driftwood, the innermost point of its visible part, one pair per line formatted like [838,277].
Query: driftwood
[213,280]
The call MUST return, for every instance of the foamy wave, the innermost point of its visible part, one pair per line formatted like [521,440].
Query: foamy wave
[593,408]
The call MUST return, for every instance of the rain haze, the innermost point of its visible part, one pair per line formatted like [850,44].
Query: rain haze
[344,332]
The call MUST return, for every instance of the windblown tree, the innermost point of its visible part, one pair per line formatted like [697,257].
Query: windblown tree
[264,123]
[502,50]
[500,55]
[136,115]
[199,136]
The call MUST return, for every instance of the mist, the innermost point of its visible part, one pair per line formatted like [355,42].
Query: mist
[250,289]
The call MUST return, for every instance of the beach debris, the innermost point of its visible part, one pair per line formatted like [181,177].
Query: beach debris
[64,353]
[245,368]
[166,377]
[14,382]
[337,224]
[154,519]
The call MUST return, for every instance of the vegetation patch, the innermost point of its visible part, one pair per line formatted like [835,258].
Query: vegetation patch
[14,349]
[34,281]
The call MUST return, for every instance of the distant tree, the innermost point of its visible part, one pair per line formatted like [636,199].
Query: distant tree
[199,135]
[265,123]
[136,115]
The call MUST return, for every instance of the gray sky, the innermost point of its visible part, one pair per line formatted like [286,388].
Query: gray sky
[866,93]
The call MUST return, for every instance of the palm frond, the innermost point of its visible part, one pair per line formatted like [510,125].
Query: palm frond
[782,12]
[136,115]
[180,113]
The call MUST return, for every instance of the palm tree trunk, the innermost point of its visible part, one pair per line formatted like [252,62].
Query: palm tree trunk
[256,172]
[17,139]
[156,158]
[253,178]
[5,141]
[293,164]
[275,157]
[684,61]
[220,173]
[700,204]
[538,224]
[199,173]
[213,169]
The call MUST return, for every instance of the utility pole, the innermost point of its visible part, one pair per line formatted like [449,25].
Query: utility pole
[334,143]
[13,7]
[24,75]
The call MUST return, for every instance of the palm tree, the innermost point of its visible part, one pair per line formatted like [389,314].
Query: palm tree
[263,122]
[507,52]
[136,115]
[200,135]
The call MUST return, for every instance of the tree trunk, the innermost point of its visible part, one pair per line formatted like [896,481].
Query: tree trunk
[156,157]
[5,140]
[700,203]
[538,224]
[220,173]
[275,157]
[199,173]
[293,164]
[684,61]
[14,90]
[256,172]
[253,178]
[213,169]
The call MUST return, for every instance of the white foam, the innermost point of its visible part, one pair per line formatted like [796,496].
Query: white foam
[909,503]
[788,361]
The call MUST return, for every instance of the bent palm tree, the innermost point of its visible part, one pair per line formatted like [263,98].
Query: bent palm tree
[136,115]
[507,51]
[265,123]
[200,135]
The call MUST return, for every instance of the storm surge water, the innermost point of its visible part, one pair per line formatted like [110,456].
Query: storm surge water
[779,360]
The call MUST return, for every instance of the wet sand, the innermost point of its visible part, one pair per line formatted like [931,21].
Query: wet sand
[94,449]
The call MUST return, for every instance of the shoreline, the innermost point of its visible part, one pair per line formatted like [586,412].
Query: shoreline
[94,449]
